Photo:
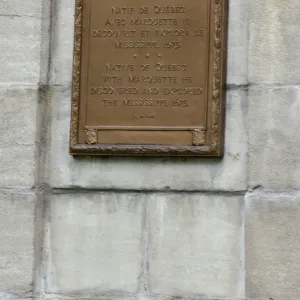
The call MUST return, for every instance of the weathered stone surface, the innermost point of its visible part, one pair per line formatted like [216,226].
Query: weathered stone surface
[16,243]
[94,243]
[195,242]
[17,135]
[195,245]
[272,246]
[10,296]
[62,54]
[46,41]
[20,49]
[17,114]
[274,140]
[238,39]
[17,166]
[150,173]
[16,8]
[274,39]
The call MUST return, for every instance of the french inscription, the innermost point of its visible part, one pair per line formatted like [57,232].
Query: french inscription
[144,65]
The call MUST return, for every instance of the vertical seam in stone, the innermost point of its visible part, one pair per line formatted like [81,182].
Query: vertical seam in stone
[144,275]
[249,87]
[242,271]
[41,145]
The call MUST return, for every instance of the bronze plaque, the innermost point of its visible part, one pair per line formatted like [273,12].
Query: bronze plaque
[149,77]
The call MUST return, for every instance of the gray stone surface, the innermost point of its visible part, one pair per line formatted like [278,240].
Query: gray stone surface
[238,39]
[196,245]
[9,296]
[17,114]
[274,141]
[20,49]
[272,246]
[274,55]
[149,245]
[17,135]
[17,167]
[46,41]
[16,243]
[30,8]
[150,173]
[94,243]
[62,53]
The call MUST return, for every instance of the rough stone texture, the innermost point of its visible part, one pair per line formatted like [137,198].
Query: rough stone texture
[20,70]
[272,246]
[194,245]
[20,49]
[46,42]
[62,54]
[16,243]
[174,242]
[274,56]
[150,173]
[17,117]
[17,135]
[274,140]
[31,8]
[9,296]
[238,38]
[94,243]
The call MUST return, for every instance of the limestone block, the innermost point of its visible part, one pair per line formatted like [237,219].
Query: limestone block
[150,173]
[94,243]
[16,243]
[17,135]
[274,55]
[29,8]
[9,296]
[20,49]
[237,66]
[272,246]
[47,23]
[274,141]
[62,53]
[17,114]
[17,166]
[195,245]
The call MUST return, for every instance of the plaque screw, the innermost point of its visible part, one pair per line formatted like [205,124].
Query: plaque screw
[134,56]
[147,55]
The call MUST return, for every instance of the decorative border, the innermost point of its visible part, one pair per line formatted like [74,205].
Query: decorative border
[198,149]
[198,137]
[76,75]
[217,73]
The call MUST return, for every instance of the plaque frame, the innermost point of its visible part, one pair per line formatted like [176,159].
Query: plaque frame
[198,148]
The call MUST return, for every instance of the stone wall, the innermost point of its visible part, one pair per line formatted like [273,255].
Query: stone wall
[150,228]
